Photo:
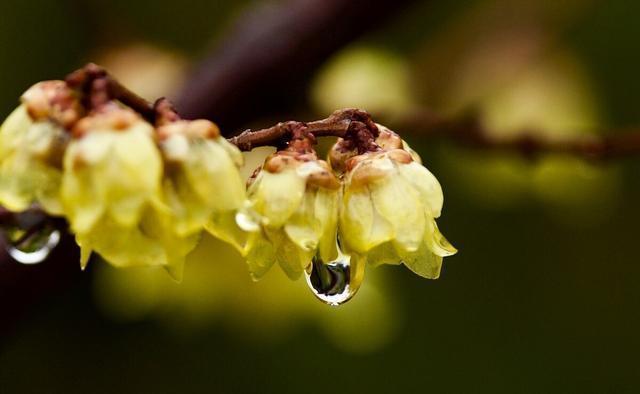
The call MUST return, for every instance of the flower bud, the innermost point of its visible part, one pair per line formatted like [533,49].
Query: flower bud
[32,142]
[201,177]
[112,170]
[389,207]
[296,197]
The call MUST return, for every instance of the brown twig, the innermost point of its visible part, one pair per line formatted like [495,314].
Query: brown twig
[470,132]
[339,124]
[94,80]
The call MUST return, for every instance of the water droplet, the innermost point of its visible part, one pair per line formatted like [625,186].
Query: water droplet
[36,248]
[336,282]
[248,219]
[246,222]
[30,238]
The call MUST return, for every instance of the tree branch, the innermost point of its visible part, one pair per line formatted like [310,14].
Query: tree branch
[264,65]
[339,124]
[83,80]
[470,132]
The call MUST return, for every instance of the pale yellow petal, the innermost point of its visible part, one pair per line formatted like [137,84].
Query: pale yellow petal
[223,225]
[426,184]
[362,227]
[424,263]
[213,175]
[326,210]
[260,255]
[437,242]
[277,196]
[399,203]
[304,226]
[291,258]
[13,129]
[383,254]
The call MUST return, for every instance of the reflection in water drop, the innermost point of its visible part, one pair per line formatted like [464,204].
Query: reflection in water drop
[36,248]
[336,282]
[30,236]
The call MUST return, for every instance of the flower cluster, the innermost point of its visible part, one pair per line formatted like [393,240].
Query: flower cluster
[140,190]
[133,192]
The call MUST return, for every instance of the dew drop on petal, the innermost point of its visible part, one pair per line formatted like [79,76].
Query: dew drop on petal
[336,282]
[246,221]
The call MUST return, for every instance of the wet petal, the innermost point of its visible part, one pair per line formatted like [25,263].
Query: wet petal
[291,258]
[304,227]
[424,263]
[426,184]
[213,175]
[398,202]
[326,210]
[224,226]
[362,227]
[261,255]
[383,254]
[277,196]
[437,242]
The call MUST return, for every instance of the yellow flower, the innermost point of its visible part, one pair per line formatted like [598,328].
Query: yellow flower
[296,197]
[152,242]
[32,142]
[201,183]
[389,207]
[112,170]
[111,193]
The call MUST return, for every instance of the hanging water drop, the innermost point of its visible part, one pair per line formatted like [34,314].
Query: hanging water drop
[30,238]
[336,282]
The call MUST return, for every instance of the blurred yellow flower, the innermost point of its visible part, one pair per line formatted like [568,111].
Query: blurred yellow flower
[365,77]
[111,193]
[112,169]
[32,141]
[201,177]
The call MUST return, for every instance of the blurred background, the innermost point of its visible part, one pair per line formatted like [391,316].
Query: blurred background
[544,294]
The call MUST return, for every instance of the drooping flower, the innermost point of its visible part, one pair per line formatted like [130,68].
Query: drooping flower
[111,192]
[112,169]
[32,143]
[296,198]
[201,183]
[389,206]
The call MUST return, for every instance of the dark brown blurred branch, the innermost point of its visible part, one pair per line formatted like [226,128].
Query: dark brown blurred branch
[470,132]
[263,67]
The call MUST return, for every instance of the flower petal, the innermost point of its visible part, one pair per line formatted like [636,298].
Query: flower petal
[426,184]
[362,227]
[303,227]
[399,203]
[260,255]
[424,263]
[437,242]
[326,210]
[277,196]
